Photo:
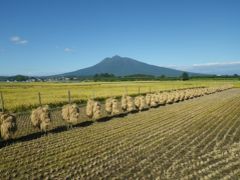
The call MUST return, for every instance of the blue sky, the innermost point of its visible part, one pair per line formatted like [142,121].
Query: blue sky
[41,37]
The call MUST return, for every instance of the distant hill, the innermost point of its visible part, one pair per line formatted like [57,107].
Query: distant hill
[3,78]
[124,66]
[19,78]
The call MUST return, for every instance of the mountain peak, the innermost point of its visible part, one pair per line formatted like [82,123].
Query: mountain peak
[122,66]
[116,56]
[112,59]
[119,59]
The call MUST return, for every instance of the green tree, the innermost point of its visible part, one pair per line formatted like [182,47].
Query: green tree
[185,76]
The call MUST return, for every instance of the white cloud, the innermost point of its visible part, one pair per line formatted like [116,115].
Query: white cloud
[68,50]
[15,39]
[18,40]
[211,64]
[218,64]
[219,68]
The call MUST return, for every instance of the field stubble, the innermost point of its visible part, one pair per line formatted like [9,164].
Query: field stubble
[198,138]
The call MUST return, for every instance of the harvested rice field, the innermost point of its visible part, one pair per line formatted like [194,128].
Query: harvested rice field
[194,139]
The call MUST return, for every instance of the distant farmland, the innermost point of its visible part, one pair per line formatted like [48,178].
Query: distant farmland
[24,96]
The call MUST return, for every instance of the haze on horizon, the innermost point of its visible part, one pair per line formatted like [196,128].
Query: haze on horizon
[49,37]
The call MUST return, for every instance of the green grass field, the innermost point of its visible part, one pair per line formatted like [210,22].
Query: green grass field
[23,96]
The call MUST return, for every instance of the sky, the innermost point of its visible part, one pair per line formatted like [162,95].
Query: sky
[44,37]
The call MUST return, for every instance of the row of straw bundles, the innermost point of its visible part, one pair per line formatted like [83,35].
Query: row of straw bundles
[172,97]
[41,117]
[8,125]
[155,99]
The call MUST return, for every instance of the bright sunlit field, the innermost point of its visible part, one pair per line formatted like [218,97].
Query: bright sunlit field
[20,96]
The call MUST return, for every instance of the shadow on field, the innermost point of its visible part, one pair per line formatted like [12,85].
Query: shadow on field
[134,111]
[62,128]
[145,109]
[58,129]
[28,137]
[123,114]
[37,135]
[108,118]
[84,124]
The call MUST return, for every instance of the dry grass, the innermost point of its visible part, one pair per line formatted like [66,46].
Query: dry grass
[22,96]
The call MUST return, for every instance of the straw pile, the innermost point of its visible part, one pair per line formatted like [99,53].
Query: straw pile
[8,125]
[40,118]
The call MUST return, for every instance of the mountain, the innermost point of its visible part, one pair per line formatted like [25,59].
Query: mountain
[123,66]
